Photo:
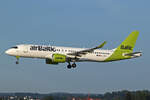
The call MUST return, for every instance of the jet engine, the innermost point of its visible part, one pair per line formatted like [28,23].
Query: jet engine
[56,58]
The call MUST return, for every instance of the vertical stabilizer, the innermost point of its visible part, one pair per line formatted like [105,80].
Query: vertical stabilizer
[128,44]
[125,47]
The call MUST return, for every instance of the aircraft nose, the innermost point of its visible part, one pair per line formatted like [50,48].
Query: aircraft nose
[7,52]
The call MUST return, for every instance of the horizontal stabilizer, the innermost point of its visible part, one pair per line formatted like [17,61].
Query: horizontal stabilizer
[134,54]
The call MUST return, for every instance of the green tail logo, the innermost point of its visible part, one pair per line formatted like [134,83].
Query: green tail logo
[125,47]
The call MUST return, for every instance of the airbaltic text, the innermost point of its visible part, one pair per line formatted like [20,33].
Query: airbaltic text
[43,48]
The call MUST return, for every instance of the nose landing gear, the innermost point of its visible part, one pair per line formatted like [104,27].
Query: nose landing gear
[17,57]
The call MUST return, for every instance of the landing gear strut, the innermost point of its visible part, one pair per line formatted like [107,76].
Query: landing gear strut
[69,65]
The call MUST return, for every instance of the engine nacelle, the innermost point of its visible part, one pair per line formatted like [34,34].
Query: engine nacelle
[56,58]
[59,58]
[49,61]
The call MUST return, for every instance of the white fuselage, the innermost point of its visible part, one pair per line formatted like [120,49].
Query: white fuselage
[45,52]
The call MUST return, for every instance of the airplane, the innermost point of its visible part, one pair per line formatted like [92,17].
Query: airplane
[56,54]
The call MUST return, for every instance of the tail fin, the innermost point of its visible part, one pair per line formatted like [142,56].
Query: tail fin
[125,47]
[128,44]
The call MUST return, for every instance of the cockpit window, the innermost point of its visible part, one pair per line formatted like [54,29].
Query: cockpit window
[15,47]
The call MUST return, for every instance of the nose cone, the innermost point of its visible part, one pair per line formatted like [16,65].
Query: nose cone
[8,52]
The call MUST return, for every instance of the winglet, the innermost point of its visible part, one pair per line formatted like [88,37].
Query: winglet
[100,46]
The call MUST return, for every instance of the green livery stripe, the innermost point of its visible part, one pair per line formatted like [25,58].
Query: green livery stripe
[125,47]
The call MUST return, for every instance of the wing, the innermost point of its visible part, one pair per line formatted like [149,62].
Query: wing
[83,52]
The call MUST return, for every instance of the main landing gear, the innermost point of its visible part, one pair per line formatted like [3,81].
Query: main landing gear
[71,66]
[17,57]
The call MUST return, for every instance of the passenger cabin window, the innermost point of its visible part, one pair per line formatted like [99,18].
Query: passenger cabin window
[15,47]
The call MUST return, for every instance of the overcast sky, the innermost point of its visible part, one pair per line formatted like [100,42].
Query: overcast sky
[74,23]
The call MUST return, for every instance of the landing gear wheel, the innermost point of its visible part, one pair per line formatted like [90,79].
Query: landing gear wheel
[74,65]
[17,62]
[69,66]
